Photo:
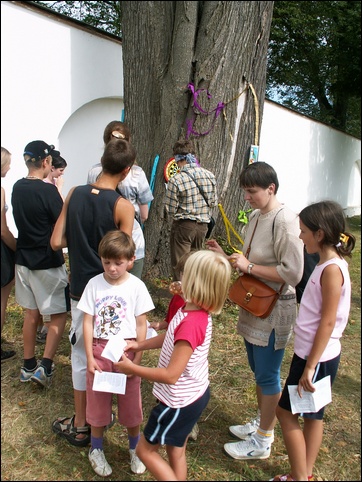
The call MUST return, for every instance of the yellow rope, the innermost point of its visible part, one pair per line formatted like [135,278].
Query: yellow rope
[256,106]
[232,100]
[229,226]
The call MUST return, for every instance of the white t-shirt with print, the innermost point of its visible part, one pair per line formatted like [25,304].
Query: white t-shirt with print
[115,306]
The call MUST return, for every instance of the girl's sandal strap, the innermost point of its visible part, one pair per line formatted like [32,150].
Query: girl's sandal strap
[283,478]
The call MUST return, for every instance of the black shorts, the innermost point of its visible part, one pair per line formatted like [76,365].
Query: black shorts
[171,426]
[297,366]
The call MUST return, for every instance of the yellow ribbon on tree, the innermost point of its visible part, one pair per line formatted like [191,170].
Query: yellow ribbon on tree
[228,227]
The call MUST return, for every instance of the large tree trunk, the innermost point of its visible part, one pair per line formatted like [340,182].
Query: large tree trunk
[220,47]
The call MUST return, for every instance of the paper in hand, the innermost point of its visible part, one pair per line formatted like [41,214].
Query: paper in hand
[114,348]
[311,402]
[109,382]
[151,332]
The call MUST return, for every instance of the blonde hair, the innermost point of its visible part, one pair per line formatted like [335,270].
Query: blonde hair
[5,158]
[206,279]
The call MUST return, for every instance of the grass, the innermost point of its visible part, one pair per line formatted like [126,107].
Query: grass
[30,450]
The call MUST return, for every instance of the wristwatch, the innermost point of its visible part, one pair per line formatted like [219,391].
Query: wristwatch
[250,267]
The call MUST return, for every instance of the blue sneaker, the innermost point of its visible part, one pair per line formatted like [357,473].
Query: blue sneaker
[41,377]
[25,374]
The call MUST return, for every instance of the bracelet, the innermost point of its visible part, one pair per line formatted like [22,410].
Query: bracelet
[250,267]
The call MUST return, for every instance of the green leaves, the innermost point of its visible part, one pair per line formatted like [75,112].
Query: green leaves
[243,216]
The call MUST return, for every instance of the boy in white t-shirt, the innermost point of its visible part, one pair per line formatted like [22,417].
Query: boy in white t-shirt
[114,302]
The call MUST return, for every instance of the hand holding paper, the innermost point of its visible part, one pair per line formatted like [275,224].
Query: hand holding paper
[109,382]
[114,348]
[125,365]
[311,402]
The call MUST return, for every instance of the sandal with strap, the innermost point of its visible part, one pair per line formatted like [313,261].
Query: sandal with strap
[283,478]
[70,432]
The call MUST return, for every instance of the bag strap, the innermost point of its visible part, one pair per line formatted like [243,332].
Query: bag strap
[199,188]
[274,221]
[249,247]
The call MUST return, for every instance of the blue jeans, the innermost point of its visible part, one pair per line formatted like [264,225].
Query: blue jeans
[265,362]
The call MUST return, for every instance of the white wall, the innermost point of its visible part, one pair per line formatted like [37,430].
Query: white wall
[59,84]
[62,84]
[313,161]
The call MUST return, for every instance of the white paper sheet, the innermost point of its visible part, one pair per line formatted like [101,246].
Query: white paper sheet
[311,401]
[151,332]
[110,382]
[114,348]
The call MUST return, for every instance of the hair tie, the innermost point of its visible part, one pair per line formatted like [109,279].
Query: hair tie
[118,135]
[189,158]
[338,245]
[343,238]
[179,157]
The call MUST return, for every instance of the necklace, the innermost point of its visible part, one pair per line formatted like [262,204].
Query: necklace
[33,177]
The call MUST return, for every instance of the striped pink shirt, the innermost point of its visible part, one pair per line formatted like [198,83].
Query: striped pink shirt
[196,328]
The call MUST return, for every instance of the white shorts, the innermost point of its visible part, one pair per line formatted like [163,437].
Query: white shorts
[43,289]
[78,356]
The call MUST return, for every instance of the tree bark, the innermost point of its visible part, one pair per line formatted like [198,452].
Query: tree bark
[221,49]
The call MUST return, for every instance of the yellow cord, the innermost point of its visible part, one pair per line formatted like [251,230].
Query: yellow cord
[256,107]
[229,226]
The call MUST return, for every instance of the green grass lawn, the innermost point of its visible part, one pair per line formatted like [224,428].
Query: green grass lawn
[30,450]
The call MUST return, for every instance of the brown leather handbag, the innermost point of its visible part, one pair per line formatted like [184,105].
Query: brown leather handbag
[254,295]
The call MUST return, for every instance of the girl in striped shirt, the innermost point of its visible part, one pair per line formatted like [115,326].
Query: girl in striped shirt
[181,379]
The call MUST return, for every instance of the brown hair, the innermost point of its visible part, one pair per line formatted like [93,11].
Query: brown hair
[184,147]
[116,245]
[115,127]
[118,155]
[330,218]
[259,174]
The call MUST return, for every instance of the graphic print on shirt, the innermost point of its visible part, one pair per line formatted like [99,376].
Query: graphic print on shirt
[110,313]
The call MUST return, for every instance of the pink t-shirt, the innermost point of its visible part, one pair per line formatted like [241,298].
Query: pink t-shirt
[196,328]
[310,309]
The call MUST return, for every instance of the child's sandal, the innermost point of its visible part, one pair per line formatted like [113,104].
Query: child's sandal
[283,478]
[70,432]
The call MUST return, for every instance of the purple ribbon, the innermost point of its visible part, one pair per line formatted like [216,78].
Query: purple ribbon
[196,106]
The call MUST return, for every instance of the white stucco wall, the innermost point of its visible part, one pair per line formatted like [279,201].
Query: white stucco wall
[60,84]
[313,161]
[63,84]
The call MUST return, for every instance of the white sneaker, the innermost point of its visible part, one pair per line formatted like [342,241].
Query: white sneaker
[137,466]
[99,463]
[244,431]
[247,449]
